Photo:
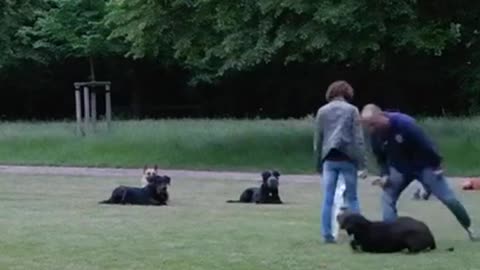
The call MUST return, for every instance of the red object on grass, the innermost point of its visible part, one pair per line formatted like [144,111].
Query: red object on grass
[471,184]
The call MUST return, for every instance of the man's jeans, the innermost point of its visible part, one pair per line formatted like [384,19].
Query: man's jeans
[436,183]
[331,173]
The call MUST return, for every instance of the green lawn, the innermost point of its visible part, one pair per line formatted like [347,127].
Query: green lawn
[55,223]
[223,144]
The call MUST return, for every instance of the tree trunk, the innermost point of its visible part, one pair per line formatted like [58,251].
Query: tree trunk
[92,68]
[136,95]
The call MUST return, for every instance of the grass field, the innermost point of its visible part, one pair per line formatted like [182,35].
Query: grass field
[207,144]
[50,223]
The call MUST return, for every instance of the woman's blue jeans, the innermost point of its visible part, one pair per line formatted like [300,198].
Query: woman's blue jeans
[331,172]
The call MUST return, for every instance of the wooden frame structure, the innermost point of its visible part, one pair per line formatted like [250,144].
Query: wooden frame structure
[90,104]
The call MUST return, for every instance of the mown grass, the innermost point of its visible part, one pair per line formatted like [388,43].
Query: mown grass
[54,222]
[207,144]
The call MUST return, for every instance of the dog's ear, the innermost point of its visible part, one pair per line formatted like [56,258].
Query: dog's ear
[155,168]
[276,174]
[167,179]
[352,222]
[341,220]
[265,175]
[145,168]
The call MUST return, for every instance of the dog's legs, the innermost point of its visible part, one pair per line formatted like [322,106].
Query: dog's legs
[416,195]
[426,195]
[413,247]
[413,251]
[124,196]
[275,196]
[246,196]
[263,197]
[354,245]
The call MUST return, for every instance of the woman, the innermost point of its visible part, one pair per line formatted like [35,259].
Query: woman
[340,150]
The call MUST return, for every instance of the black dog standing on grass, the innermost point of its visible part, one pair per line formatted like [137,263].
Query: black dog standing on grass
[154,193]
[383,237]
[267,193]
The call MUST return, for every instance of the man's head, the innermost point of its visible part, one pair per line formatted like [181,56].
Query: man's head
[339,89]
[374,119]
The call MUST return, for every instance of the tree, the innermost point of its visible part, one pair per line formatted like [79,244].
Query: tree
[73,28]
[16,14]
[463,59]
[214,37]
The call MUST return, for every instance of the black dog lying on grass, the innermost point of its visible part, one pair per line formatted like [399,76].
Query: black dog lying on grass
[154,193]
[382,237]
[267,193]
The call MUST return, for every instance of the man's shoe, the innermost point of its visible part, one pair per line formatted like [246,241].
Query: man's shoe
[472,235]
[329,240]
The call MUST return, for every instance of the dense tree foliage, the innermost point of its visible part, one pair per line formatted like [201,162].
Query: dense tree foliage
[214,37]
[14,16]
[72,28]
[405,51]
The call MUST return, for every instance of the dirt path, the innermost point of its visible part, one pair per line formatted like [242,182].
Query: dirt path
[112,172]
[135,173]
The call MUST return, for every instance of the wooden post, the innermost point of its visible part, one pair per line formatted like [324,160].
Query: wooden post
[108,106]
[93,105]
[78,110]
[86,107]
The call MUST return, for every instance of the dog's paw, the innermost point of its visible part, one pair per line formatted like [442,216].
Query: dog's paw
[362,174]
[416,196]
[354,246]
[381,182]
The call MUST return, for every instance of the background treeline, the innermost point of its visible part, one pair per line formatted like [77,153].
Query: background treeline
[217,58]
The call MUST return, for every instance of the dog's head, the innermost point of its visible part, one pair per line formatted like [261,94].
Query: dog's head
[159,183]
[271,178]
[147,172]
[353,223]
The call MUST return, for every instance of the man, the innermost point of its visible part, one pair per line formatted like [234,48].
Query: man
[404,153]
[339,148]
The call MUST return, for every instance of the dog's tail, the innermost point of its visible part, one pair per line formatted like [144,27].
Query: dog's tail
[234,201]
[449,249]
[109,201]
